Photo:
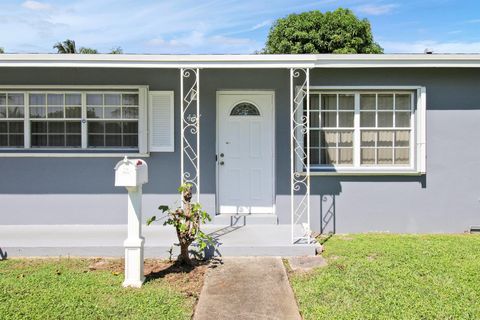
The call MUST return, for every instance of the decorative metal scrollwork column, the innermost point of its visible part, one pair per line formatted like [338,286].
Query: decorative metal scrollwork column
[190,129]
[299,154]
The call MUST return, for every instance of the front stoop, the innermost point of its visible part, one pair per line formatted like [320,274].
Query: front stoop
[245,219]
[107,241]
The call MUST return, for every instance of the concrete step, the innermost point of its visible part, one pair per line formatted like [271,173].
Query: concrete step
[243,220]
[107,241]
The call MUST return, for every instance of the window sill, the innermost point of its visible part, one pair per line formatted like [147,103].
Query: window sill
[72,155]
[364,172]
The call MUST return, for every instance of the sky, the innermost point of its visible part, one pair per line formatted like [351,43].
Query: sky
[227,26]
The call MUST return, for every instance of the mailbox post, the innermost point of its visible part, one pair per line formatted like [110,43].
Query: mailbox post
[132,174]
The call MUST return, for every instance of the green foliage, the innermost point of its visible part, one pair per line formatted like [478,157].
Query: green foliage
[339,31]
[84,50]
[2,50]
[117,50]
[187,221]
[67,289]
[386,276]
[67,46]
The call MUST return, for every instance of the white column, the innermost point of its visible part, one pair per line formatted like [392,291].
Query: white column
[134,243]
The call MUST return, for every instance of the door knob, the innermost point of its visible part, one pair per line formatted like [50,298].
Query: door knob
[222,163]
[222,155]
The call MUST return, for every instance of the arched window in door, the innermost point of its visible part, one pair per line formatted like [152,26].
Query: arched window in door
[245,109]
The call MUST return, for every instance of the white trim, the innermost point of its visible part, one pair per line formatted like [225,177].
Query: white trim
[217,124]
[87,154]
[242,61]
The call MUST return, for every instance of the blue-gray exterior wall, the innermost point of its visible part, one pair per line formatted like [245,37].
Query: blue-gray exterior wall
[446,199]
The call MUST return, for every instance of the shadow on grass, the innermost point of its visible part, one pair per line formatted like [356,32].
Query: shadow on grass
[323,238]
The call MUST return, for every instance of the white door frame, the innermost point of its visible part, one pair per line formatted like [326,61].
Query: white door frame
[217,121]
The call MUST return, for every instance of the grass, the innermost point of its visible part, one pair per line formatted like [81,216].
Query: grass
[72,289]
[383,276]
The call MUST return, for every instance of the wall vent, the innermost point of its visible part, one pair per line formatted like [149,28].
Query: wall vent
[475,229]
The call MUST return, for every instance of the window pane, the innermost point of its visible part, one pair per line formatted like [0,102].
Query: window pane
[130,113]
[385,102]
[385,139]
[385,156]
[402,138]
[55,112]
[95,112]
[130,127]
[73,112]
[368,138]
[367,119]
[37,99]
[73,99]
[37,112]
[345,139]
[39,140]
[3,127]
[73,127]
[38,127]
[403,102]
[367,102]
[54,99]
[16,112]
[330,155]
[15,127]
[94,99]
[3,140]
[329,119]
[385,119]
[345,119]
[3,99]
[56,127]
[345,156]
[113,127]
[130,99]
[402,119]
[130,141]
[113,141]
[329,101]
[56,140]
[314,138]
[74,140]
[314,102]
[314,156]
[112,113]
[95,140]
[3,112]
[16,140]
[15,99]
[367,156]
[346,102]
[112,99]
[96,127]
[402,156]
[329,139]
[315,119]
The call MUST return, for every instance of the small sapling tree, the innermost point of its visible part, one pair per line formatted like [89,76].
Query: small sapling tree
[186,220]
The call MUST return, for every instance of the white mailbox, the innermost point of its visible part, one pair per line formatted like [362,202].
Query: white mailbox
[131,173]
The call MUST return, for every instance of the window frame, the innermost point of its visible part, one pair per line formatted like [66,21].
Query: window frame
[417,154]
[84,150]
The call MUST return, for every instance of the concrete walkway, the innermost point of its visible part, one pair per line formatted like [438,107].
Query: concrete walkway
[247,288]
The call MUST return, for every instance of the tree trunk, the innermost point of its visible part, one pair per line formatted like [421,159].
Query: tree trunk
[184,257]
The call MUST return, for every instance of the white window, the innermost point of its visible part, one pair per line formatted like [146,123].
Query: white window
[367,130]
[82,120]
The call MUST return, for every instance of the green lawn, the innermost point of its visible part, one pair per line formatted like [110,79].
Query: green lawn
[382,276]
[69,289]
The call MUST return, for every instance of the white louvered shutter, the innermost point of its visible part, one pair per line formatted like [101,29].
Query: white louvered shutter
[161,121]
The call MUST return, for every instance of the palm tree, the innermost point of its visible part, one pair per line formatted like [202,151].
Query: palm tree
[2,50]
[67,46]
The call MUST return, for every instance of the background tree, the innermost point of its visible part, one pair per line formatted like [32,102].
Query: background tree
[68,46]
[338,31]
[84,50]
[117,50]
[2,50]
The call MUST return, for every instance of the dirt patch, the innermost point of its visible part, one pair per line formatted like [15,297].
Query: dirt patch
[186,279]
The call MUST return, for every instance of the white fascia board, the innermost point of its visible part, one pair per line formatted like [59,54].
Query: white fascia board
[242,61]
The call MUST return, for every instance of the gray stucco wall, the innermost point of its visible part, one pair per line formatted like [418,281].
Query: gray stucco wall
[80,190]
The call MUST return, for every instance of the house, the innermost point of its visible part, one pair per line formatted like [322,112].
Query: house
[313,143]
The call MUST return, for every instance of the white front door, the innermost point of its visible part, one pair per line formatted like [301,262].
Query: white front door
[245,152]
